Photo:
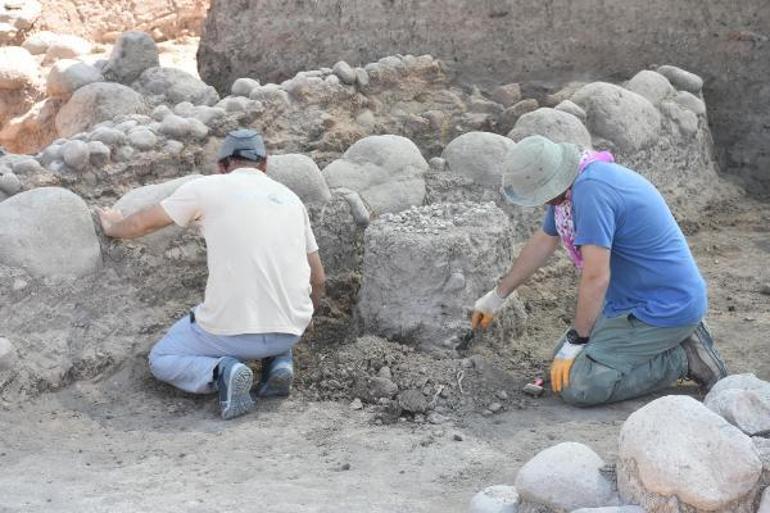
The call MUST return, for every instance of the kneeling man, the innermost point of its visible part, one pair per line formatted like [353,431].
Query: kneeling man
[264,277]
[641,301]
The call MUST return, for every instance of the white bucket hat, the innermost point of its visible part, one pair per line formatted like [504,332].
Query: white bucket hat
[537,170]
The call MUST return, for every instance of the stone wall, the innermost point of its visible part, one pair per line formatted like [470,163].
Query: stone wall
[498,41]
[102,20]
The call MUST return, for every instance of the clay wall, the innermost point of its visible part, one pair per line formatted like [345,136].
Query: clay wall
[545,42]
[102,20]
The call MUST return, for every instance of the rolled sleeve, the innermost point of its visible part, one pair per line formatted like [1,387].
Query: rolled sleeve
[183,206]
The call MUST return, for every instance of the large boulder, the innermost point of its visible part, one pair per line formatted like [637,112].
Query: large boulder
[495,499]
[423,267]
[76,154]
[744,401]
[172,86]
[611,509]
[18,68]
[676,447]
[97,102]
[49,232]
[147,196]
[9,182]
[66,46]
[556,125]
[20,14]
[67,76]
[8,356]
[133,53]
[339,230]
[385,170]
[682,79]
[477,156]
[300,174]
[565,477]
[627,119]
[651,85]
[764,503]
[38,43]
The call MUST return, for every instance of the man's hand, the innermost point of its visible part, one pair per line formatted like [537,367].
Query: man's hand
[109,218]
[136,225]
[562,364]
[485,309]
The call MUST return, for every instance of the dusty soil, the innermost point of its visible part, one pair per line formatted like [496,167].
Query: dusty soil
[112,439]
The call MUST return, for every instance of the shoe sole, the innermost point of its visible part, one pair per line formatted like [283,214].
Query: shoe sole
[278,384]
[714,359]
[239,400]
[706,356]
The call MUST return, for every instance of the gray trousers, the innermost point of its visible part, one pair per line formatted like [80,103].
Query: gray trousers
[626,358]
[187,355]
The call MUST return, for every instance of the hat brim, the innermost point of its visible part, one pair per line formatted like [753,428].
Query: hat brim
[560,182]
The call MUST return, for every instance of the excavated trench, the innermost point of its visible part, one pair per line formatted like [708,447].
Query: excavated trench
[390,411]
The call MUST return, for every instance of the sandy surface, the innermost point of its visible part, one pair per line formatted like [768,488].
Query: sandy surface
[122,442]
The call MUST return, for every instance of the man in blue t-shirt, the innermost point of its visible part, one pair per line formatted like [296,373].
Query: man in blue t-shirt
[641,300]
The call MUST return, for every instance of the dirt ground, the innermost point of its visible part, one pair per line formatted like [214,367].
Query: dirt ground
[119,441]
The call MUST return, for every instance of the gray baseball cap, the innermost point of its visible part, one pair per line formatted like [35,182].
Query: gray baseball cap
[244,144]
[537,170]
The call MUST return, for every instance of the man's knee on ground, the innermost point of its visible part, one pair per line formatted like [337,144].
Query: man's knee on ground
[579,398]
[583,397]
[158,368]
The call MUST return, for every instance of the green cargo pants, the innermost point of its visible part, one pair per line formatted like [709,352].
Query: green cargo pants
[626,358]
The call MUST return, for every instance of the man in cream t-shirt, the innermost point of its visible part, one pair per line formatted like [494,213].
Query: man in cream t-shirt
[264,277]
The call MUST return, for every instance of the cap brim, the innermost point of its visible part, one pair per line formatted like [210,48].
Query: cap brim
[568,170]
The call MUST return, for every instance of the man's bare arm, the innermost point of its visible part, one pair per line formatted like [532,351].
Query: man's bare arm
[317,278]
[594,281]
[533,256]
[136,225]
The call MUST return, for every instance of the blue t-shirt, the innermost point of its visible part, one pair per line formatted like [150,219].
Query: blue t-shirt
[653,274]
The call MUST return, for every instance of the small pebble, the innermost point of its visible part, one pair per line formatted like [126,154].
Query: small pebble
[533,389]
[437,418]
[356,404]
[458,437]
[502,395]
[495,407]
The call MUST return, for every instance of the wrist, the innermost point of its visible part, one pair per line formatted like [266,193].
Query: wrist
[574,337]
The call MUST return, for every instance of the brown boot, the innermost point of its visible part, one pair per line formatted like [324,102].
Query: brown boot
[705,364]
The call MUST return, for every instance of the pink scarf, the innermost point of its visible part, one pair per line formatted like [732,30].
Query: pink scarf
[563,211]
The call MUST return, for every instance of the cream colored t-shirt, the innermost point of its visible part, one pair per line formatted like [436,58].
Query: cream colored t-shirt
[258,237]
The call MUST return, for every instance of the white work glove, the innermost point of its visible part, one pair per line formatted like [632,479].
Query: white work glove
[562,364]
[485,309]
